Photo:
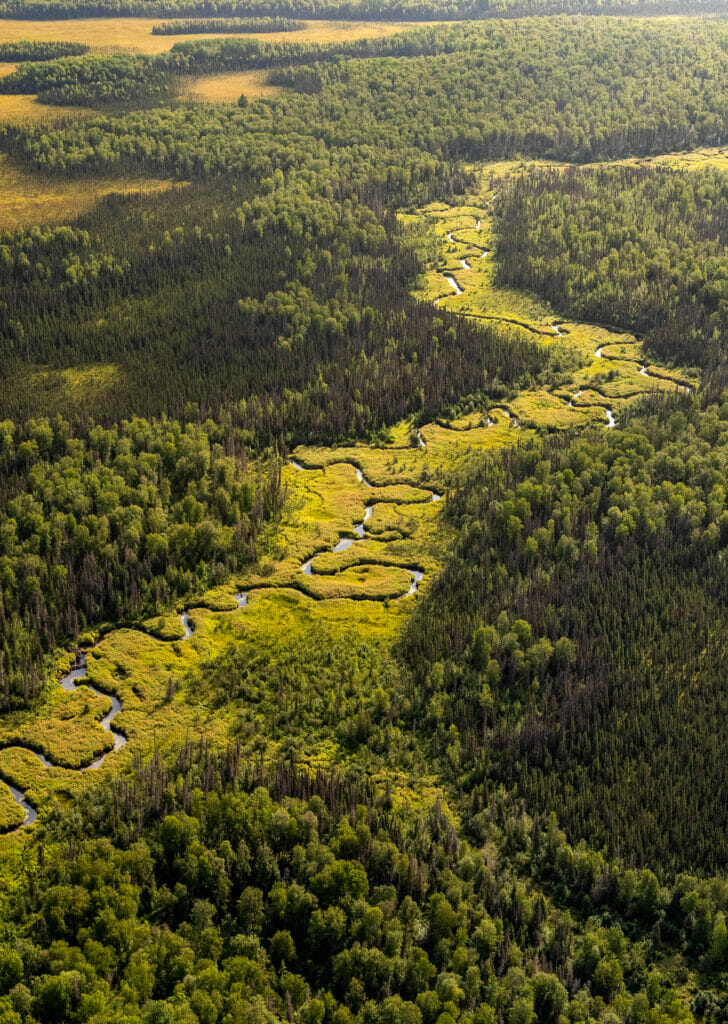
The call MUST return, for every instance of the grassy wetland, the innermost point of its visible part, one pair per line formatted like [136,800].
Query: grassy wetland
[361,537]
[363,518]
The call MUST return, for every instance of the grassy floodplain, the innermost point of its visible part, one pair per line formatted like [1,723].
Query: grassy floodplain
[461,277]
[364,588]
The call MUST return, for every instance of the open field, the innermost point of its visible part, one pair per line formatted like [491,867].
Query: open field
[228,87]
[110,35]
[27,198]
[27,110]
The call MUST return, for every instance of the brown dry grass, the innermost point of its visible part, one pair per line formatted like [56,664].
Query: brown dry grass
[27,110]
[227,88]
[135,34]
[34,199]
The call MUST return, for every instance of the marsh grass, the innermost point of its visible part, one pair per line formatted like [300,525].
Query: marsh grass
[29,198]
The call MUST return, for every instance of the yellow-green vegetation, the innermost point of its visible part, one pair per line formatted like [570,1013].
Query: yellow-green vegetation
[151,669]
[27,198]
[361,535]
[79,384]
[68,734]
[461,278]
[109,35]
[227,88]
[11,814]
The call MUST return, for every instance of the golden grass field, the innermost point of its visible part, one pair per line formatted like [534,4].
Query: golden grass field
[228,87]
[135,34]
[27,110]
[29,198]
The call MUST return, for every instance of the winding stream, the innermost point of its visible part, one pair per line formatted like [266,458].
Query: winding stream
[76,679]
[30,813]
[344,543]
[453,284]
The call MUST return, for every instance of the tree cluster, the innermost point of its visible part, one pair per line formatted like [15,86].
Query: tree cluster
[231,894]
[16,53]
[114,526]
[572,648]
[644,248]
[195,26]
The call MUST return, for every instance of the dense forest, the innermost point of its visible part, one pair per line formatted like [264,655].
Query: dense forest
[231,894]
[190,26]
[261,307]
[375,10]
[566,89]
[374,835]
[115,526]
[576,639]
[39,51]
[643,248]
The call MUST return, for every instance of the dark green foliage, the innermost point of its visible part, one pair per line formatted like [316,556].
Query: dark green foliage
[258,308]
[16,53]
[114,527]
[643,248]
[193,26]
[92,80]
[376,10]
[571,89]
[239,895]
[572,655]
[577,638]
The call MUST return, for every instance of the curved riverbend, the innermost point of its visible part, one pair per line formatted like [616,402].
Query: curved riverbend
[74,680]
[29,812]
[344,543]
[453,284]
[76,677]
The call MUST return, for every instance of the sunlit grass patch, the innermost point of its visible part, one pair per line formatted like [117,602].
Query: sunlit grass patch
[24,109]
[361,582]
[11,813]
[228,87]
[30,198]
[165,627]
[544,409]
[68,733]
